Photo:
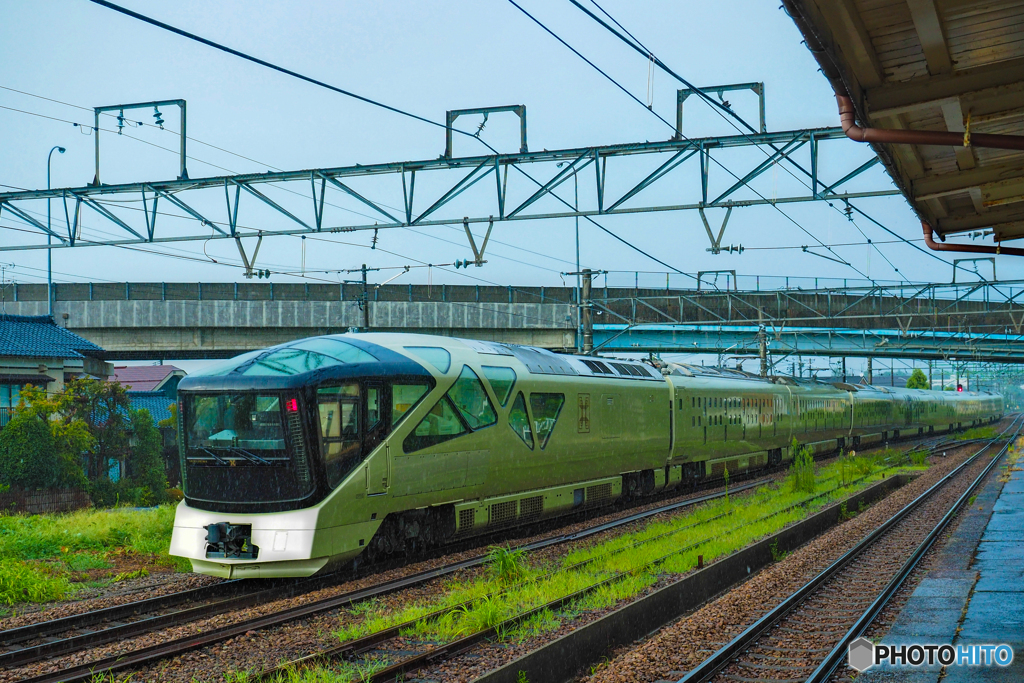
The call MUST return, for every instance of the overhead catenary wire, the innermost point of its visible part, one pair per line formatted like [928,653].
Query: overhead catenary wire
[283,189]
[642,49]
[662,119]
[361,98]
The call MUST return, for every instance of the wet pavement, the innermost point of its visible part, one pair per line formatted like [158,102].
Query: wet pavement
[973,595]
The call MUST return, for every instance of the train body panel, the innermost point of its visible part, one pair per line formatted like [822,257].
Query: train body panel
[305,456]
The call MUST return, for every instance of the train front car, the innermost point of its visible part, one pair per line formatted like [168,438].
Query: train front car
[255,482]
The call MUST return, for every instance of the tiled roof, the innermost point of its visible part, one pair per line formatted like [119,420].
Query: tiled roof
[143,377]
[155,402]
[38,335]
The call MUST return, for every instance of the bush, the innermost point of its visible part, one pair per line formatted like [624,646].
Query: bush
[918,380]
[27,457]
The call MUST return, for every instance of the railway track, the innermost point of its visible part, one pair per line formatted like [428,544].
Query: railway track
[371,650]
[69,635]
[142,657]
[806,635]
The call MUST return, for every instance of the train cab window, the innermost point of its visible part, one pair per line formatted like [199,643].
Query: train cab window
[469,397]
[403,398]
[545,408]
[502,380]
[339,429]
[435,355]
[519,421]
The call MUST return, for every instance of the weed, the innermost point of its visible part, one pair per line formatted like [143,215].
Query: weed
[977,433]
[725,476]
[508,565]
[141,532]
[84,561]
[845,514]
[801,472]
[777,555]
[134,574]
[970,501]
[521,677]
[918,457]
[31,582]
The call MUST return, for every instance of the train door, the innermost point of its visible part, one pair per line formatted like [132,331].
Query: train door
[378,468]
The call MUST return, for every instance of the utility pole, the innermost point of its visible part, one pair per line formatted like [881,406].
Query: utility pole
[892,372]
[364,298]
[588,314]
[762,342]
[366,302]
[929,374]
[867,375]
[844,368]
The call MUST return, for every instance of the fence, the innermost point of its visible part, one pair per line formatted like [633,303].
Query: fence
[15,501]
[5,416]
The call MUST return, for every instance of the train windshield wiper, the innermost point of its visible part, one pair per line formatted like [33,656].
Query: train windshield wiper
[220,460]
[251,457]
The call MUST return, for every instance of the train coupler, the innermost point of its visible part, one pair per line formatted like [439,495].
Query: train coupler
[230,541]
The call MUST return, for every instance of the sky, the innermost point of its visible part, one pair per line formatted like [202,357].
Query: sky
[427,57]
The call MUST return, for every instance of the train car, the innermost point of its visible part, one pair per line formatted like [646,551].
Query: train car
[313,454]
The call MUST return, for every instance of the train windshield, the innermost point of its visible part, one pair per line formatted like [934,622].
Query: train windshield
[244,447]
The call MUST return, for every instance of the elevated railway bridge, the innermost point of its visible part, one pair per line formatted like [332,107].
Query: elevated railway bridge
[954,322]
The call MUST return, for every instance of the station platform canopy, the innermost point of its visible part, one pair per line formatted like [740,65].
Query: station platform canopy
[938,66]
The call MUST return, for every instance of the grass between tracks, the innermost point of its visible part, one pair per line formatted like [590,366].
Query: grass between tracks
[516,583]
[45,557]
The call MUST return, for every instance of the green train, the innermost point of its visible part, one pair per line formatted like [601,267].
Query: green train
[306,456]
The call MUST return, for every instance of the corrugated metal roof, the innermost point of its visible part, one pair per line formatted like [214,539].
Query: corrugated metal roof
[143,377]
[38,336]
[934,65]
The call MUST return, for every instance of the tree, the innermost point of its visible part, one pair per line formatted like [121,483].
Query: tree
[917,380]
[146,464]
[27,457]
[69,438]
[105,409]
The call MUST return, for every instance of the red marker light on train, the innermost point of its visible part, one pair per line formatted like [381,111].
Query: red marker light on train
[292,405]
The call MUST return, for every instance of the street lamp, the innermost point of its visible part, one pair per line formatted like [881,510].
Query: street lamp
[49,237]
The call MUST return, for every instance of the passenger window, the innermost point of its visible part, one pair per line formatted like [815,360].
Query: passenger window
[372,407]
[519,421]
[435,355]
[403,398]
[469,397]
[439,425]
[339,429]
[502,381]
[546,408]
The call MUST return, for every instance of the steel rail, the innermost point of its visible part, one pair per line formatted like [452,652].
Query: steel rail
[64,646]
[43,629]
[171,648]
[718,661]
[835,656]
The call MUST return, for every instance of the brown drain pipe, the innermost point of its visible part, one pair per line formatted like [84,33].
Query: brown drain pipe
[970,248]
[847,118]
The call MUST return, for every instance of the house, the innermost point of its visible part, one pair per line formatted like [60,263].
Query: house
[35,350]
[149,378]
